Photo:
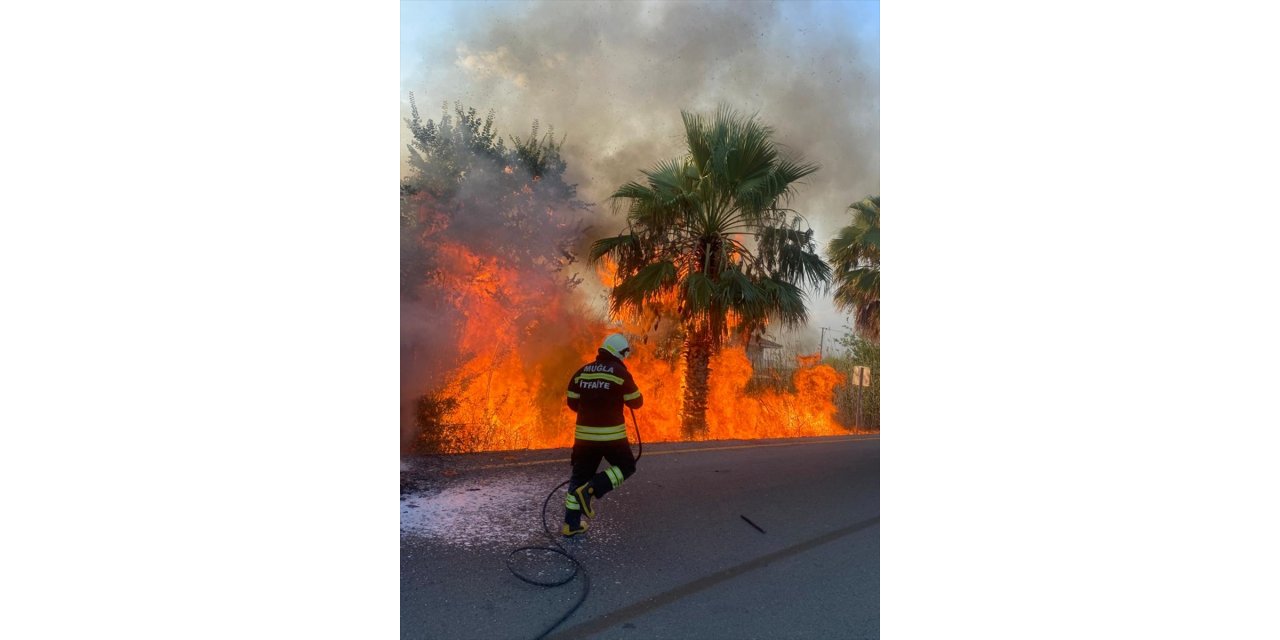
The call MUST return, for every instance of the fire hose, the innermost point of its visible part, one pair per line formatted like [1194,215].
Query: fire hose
[557,549]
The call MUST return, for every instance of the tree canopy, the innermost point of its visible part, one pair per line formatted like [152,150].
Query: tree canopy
[855,255]
[710,240]
[466,184]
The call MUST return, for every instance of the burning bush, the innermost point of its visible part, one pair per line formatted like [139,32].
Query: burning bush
[487,231]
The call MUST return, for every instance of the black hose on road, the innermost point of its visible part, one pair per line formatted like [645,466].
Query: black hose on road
[557,549]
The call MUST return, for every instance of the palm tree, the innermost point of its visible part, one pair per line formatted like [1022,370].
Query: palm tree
[710,241]
[855,254]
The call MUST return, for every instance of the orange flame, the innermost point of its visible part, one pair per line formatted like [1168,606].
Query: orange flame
[522,338]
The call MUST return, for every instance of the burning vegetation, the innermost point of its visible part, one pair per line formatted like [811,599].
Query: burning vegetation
[498,309]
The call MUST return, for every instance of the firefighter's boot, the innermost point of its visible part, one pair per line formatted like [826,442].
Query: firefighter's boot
[567,530]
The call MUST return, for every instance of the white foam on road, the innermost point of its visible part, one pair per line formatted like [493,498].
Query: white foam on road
[478,512]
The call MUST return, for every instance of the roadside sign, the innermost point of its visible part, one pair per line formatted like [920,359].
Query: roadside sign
[861,376]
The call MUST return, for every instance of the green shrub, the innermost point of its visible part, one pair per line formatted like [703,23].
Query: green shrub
[858,352]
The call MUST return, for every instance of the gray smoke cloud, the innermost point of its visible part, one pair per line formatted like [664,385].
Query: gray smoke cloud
[612,78]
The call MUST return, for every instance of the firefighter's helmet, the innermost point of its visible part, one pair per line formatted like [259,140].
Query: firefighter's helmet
[617,345]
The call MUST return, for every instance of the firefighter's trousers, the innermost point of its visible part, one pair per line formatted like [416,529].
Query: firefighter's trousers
[585,458]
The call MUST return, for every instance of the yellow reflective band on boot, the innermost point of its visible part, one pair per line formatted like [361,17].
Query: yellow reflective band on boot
[615,476]
[571,502]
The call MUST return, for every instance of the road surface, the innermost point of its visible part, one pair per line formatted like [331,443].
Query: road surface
[669,553]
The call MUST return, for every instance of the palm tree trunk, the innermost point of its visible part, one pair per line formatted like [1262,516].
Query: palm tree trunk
[697,356]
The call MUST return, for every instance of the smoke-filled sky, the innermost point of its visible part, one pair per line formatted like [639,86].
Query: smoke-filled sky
[611,78]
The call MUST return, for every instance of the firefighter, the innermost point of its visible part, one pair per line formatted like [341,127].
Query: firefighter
[597,392]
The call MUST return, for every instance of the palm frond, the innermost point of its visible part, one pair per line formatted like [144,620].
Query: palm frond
[644,285]
[811,269]
[787,252]
[871,240]
[633,191]
[735,290]
[695,126]
[699,291]
[617,247]
[857,288]
[867,320]
[783,301]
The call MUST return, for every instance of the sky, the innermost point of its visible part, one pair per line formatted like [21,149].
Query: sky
[611,79]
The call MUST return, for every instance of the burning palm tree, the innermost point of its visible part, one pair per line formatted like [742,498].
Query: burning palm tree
[710,240]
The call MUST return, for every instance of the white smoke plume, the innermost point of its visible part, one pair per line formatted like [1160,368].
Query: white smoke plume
[611,78]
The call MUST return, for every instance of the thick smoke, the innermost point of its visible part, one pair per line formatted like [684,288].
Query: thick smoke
[485,236]
[613,77]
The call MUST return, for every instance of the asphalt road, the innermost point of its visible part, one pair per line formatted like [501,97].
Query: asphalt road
[669,554]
